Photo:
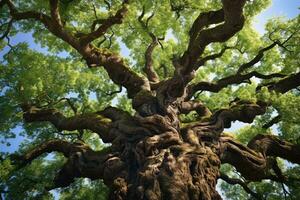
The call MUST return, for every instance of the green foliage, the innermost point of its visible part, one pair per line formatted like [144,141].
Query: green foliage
[85,189]
[44,77]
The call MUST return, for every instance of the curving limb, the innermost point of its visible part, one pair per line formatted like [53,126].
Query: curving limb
[82,161]
[233,20]
[194,105]
[148,69]
[284,85]
[232,16]
[94,121]
[211,128]
[49,146]
[230,80]
[254,161]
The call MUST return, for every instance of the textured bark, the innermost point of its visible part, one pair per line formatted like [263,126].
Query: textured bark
[149,157]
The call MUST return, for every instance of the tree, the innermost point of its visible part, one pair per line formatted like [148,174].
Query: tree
[194,68]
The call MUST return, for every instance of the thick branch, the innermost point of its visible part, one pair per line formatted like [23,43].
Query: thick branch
[148,69]
[204,20]
[241,111]
[194,105]
[230,80]
[285,84]
[55,12]
[253,161]
[94,122]
[232,14]
[61,146]
[256,59]
[270,145]
[186,66]
[82,161]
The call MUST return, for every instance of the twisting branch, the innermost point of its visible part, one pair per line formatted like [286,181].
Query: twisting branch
[202,61]
[185,66]
[194,105]
[270,145]
[230,80]
[231,14]
[6,32]
[55,15]
[235,181]
[49,146]
[82,161]
[261,52]
[105,24]
[203,21]
[241,110]
[93,121]
[253,161]
[148,69]
[273,121]
[284,85]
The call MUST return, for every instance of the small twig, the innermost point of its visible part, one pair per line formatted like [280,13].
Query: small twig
[9,25]
[102,41]
[110,39]
[234,181]
[114,92]
[107,4]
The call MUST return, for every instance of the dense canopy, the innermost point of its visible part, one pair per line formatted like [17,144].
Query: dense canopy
[129,99]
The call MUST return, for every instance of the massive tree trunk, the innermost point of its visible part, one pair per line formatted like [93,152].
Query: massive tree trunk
[154,157]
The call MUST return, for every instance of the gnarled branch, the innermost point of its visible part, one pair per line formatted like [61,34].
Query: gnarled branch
[148,69]
[194,105]
[82,161]
[284,85]
[93,121]
[253,161]
[232,16]
[230,80]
